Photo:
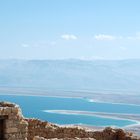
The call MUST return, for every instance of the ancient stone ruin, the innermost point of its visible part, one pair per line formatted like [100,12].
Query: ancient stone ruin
[13,126]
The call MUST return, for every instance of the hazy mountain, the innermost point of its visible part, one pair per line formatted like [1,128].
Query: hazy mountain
[71,74]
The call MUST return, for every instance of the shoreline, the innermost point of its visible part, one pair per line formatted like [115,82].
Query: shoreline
[91,100]
[96,114]
[98,96]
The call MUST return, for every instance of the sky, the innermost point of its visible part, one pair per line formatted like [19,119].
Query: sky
[70,29]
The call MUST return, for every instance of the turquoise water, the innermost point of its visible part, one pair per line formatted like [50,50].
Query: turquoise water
[33,106]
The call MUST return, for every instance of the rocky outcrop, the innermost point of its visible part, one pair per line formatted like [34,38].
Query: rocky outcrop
[13,126]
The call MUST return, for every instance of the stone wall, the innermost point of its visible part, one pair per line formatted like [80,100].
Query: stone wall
[45,130]
[14,126]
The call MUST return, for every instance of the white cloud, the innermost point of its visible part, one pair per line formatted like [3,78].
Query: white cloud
[135,37]
[25,45]
[105,37]
[69,37]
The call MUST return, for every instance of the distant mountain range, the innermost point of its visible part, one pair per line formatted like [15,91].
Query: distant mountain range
[71,74]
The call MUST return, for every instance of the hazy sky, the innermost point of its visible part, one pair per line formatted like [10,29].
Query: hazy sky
[59,29]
